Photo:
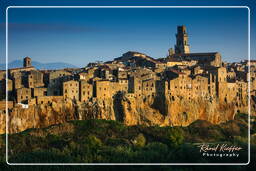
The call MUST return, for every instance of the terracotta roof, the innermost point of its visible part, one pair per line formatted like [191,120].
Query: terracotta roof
[21,68]
[133,52]
[173,60]
[195,54]
[176,71]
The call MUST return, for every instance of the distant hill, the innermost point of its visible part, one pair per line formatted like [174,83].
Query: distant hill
[39,65]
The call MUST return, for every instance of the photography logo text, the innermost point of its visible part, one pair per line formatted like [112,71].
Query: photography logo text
[219,150]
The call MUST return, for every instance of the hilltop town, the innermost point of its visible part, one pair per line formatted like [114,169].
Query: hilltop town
[134,88]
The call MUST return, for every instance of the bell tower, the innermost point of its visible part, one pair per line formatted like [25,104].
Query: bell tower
[182,45]
[27,62]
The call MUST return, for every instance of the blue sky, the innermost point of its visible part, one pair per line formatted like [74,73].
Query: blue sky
[79,36]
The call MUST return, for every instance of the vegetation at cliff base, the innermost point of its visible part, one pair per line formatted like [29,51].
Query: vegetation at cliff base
[104,141]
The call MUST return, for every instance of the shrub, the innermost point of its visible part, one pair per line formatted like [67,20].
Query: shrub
[139,141]
[56,141]
[175,137]
[93,142]
[117,141]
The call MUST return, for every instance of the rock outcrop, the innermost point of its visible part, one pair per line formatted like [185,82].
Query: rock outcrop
[130,111]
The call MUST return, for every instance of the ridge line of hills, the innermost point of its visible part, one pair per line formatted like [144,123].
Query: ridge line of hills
[38,65]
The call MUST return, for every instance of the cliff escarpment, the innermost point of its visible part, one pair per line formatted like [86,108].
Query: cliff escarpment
[130,111]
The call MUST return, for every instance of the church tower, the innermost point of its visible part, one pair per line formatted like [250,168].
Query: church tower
[182,45]
[27,62]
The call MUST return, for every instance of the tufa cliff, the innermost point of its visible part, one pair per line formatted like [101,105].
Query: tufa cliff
[130,111]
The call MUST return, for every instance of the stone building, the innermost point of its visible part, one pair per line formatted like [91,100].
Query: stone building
[2,74]
[71,90]
[39,92]
[17,80]
[184,86]
[120,85]
[49,99]
[23,95]
[86,91]
[3,89]
[103,89]
[149,88]
[34,79]
[56,79]
[137,59]
[135,86]
[242,93]
[221,82]
[182,45]
[182,52]
[16,70]
[122,74]
[107,89]
[204,59]
[27,62]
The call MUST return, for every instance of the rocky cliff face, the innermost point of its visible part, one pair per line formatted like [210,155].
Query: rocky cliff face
[38,116]
[149,111]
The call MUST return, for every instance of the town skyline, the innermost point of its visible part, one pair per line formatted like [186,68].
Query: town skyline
[181,77]
[87,41]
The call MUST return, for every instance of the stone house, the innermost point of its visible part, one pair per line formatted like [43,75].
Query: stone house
[23,95]
[56,79]
[71,90]
[85,90]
